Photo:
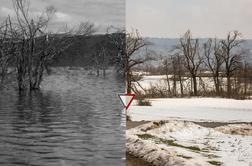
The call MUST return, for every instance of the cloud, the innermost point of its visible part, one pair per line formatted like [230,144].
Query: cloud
[4,12]
[205,18]
[62,17]
[101,12]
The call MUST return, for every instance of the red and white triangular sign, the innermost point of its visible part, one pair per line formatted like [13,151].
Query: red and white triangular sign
[126,99]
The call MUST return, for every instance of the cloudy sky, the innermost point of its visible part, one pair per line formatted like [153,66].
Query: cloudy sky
[205,18]
[101,12]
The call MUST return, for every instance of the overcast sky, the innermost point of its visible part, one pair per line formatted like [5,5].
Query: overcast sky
[205,18]
[101,12]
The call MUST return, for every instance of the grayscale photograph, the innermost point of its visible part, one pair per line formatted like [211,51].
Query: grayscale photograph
[61,69]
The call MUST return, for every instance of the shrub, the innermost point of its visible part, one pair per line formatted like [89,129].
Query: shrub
[128,118]
[141,101]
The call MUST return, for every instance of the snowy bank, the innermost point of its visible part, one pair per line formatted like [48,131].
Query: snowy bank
[185,143]
[194,109]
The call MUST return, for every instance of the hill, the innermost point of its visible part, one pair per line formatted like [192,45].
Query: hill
[163,46]
[82,51]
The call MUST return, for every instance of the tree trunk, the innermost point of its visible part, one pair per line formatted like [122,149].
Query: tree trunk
[104,72]
[228,86]
[21,67]
[180,78]
[245,80]
[168,84]
[181,86]
[195,92]
[174,85]
[128,82]
[20,77]
[97,72]
[30,62]
[217,84]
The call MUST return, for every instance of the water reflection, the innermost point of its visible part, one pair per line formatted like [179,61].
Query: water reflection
[79,126]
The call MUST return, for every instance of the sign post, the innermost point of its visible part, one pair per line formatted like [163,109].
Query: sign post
[126,99]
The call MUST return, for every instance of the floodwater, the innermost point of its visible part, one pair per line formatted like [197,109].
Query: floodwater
[75,119]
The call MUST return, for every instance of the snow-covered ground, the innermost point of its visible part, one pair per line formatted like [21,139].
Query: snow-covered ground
[185,143]
[194,109]
[176,140]
[160,81]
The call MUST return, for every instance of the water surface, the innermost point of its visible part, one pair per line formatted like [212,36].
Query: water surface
[75,119]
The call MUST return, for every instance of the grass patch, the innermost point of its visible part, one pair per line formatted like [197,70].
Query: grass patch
[217,163]
[212,156]
[205,150]
[146,136]
[167,142]
[185,157]
[173,143]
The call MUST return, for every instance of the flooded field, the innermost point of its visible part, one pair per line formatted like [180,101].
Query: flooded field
[75,119]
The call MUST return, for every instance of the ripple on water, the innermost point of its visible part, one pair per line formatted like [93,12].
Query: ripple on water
[64,127]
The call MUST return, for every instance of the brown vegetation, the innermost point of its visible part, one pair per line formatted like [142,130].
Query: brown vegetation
[192,63]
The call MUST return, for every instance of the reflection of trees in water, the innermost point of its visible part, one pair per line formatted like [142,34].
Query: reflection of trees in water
[35,107]
[45,120]
[70,125]
[40,107]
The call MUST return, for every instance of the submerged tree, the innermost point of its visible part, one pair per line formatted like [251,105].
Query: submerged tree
[7,48]
[117,39]
[101,57]
[33,45]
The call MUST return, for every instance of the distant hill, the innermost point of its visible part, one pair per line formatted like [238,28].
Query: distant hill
[83,50]
[164,45]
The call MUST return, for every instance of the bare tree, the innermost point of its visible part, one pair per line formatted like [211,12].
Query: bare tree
[245,75]
[29,29]
[36,46]
[96,60]
[166,66]
[127,45]
[177,73]
[6,48]
[230,56]
[117,38]
[134,42]
[179,60]
[214,61]
[101,57]
[173,65]
[193,59]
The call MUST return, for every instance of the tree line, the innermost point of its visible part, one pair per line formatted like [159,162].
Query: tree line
[193,63]
[27,45]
